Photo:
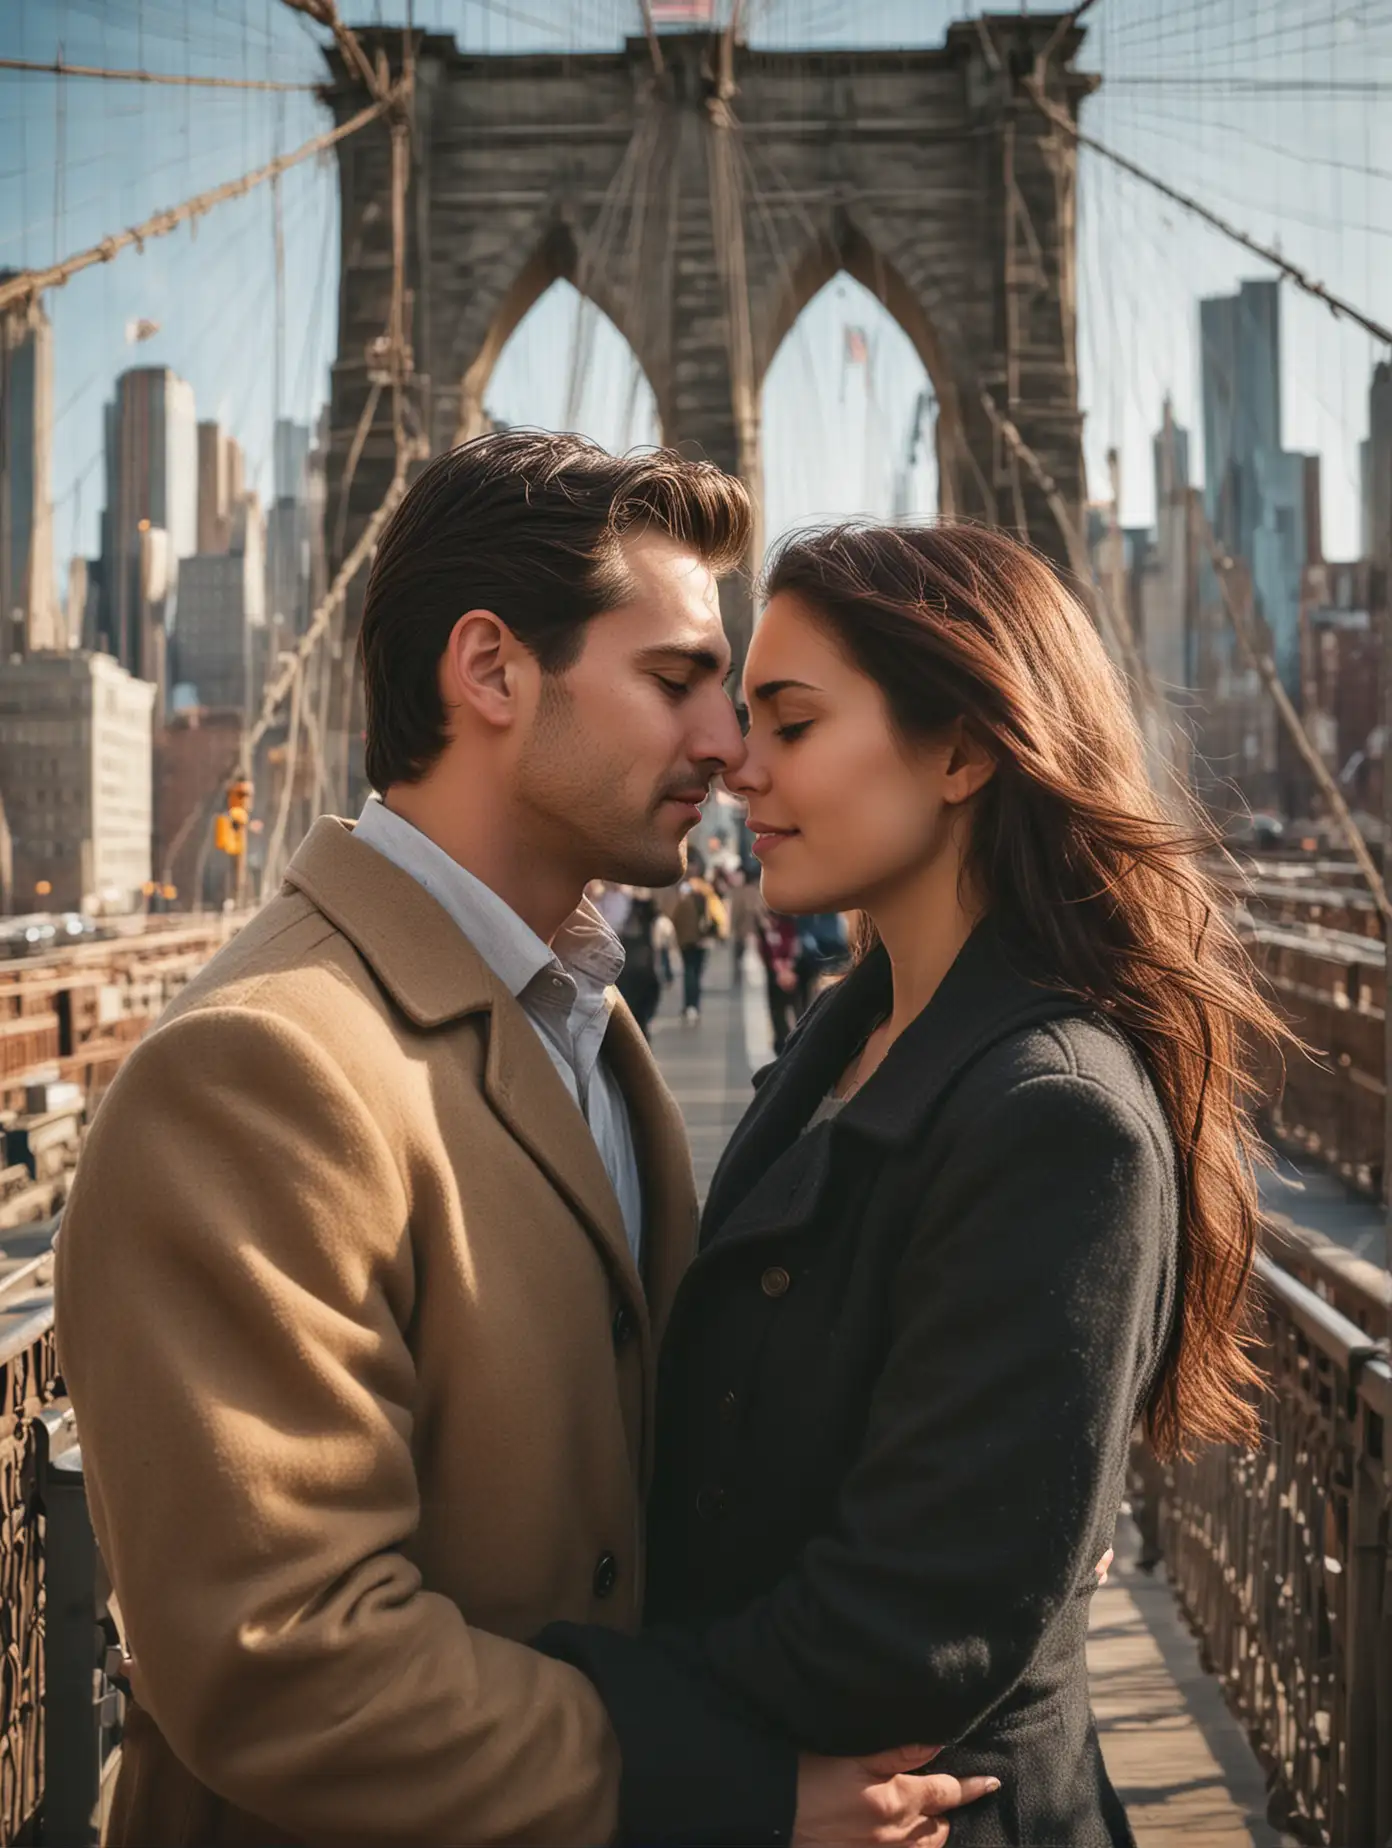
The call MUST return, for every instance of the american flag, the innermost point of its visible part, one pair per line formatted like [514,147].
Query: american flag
[857,352]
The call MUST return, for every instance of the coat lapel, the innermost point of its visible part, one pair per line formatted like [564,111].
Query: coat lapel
[790,1090]
[664,1158]
[527,1094]
[771,1179]
[435,976]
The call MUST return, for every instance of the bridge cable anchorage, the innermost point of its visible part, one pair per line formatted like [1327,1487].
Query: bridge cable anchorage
[57,68]
[654,43]
[725,176]
[1057,36]
[30,283]
[325,13]
[1336,304]
[389,365]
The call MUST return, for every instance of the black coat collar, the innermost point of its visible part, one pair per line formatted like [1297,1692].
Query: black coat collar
[984,997]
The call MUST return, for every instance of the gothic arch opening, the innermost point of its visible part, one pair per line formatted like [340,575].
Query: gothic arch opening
[566,366]
[849,415]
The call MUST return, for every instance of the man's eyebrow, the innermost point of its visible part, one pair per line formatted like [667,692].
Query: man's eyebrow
[672,652]
[770,689]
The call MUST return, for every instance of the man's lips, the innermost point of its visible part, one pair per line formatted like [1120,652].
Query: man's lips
[691,800]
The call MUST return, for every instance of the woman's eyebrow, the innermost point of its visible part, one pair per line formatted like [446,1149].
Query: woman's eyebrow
[770,689]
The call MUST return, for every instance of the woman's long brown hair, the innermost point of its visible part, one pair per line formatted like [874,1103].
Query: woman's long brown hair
[1083,864]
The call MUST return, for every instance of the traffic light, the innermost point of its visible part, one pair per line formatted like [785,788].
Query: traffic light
[229,834]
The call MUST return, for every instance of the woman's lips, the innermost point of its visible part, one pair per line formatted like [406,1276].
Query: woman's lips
[766,839]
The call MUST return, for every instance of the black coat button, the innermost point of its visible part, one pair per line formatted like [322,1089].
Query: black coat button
[711,1502]
[775,1281]
[728,1405]
[625,1325]
[606,1575]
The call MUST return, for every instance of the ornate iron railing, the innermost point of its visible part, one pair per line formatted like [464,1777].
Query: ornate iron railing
[29,1386]
[60,1713]
[1281,1561]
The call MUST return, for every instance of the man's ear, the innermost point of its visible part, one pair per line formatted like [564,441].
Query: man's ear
[970,764]
[480,669]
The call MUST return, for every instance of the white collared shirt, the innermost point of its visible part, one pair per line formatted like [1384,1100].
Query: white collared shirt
[565,990]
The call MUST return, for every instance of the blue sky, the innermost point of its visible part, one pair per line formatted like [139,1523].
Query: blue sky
[1274,111]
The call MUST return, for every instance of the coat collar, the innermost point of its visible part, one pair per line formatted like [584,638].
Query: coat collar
[984,997]
[434,974]
[409,941]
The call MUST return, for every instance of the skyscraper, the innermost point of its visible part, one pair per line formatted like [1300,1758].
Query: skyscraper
[220,487]
[30,606]
[1255,491]
[151,482]
[291,455]
[221,617]
[288,533]
[1376,458]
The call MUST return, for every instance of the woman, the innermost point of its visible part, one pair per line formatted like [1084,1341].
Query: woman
[779,946]
[993,1204]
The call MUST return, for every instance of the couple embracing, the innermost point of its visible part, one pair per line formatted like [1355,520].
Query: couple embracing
[455,1485]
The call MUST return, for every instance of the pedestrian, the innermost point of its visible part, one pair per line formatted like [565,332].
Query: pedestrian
[780,948]
[639,981]
[746,910]
[360,1273]
[698,919]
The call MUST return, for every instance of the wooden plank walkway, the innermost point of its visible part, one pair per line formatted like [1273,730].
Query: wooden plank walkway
[1176,1755]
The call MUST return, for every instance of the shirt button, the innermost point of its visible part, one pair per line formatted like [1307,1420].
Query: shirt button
[625,1325]
[729,1405]
[606,1575]
[775,1281]
[711,1502]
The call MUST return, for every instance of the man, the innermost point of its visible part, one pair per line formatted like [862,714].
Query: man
[370,1249]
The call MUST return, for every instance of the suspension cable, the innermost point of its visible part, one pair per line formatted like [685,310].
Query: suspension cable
[30,283]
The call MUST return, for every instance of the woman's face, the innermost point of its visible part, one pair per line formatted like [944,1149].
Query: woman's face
[843,811]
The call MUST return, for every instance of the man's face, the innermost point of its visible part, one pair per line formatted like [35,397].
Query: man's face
[624,744]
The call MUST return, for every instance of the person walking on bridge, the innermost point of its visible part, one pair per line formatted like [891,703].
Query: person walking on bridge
[373,1239]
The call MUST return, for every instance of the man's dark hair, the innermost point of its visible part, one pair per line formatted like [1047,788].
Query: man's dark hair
[528,525]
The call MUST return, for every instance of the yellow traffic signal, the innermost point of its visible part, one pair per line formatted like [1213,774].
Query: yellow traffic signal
[228,835]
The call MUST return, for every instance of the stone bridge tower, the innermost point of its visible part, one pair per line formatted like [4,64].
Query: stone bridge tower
[701,207]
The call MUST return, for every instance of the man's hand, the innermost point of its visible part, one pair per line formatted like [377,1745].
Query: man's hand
[843,1802]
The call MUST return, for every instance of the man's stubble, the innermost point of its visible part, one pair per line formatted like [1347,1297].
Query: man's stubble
[574,789]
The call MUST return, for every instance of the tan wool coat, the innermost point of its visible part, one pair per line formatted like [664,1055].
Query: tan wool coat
[363,1375]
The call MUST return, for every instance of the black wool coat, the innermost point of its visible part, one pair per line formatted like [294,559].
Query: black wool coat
[895,1400]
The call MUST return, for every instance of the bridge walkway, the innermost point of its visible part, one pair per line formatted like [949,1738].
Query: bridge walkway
[1177,1756]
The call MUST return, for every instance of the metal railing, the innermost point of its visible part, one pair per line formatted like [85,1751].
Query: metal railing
[1280,1558]
[60,1714]
[29,1385]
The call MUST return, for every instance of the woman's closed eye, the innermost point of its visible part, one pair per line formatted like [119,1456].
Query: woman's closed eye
[788,733]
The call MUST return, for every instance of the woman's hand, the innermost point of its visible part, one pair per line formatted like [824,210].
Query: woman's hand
[842,1802]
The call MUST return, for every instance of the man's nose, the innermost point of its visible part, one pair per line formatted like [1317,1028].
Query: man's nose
[723,746]
[746,777]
